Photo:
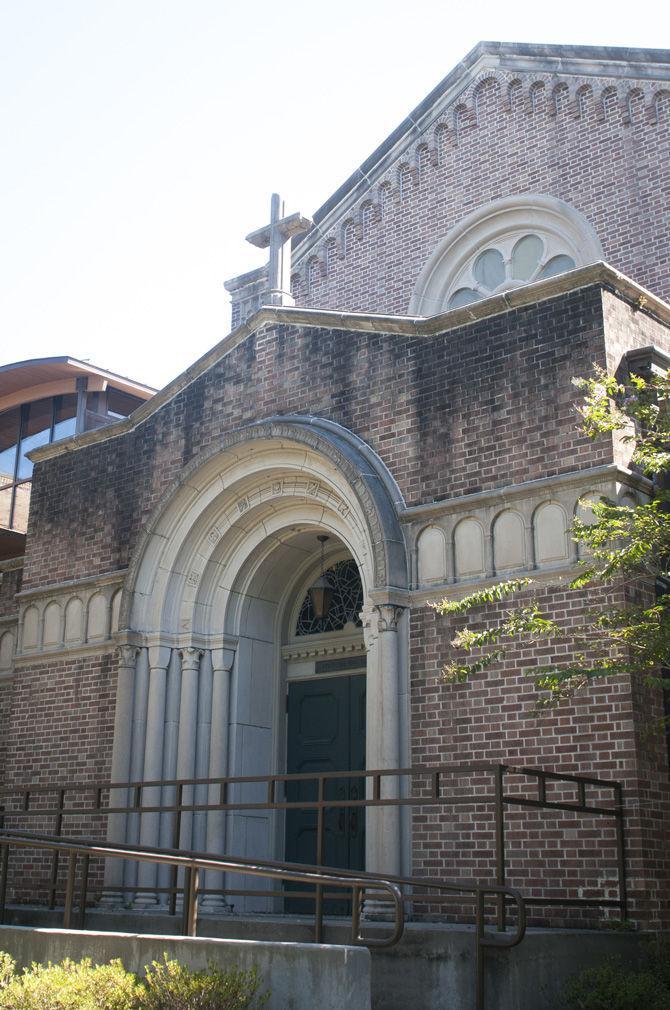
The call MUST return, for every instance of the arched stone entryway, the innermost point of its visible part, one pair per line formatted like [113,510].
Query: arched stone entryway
[208,623]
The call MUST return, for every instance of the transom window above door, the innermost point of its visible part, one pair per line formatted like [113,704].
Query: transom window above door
[346,605]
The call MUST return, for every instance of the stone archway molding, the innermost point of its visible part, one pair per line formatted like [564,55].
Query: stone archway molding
[377,495]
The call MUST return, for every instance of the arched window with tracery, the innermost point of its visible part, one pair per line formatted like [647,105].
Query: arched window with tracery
[501,246]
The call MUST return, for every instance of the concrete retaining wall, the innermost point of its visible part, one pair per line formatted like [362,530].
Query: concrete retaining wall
[300,976]
[433,968]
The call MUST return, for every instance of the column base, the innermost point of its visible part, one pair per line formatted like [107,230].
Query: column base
[114,899]
[377,910]
[214,904]
[146,902]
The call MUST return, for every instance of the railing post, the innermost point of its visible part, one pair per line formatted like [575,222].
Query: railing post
[83,890]
[190,910]
[4,871]
[500,845]
[479,950]
[69,890]
[184,907]
[621,853]
[58,829]
[176,833]
[355,914]
[318,899]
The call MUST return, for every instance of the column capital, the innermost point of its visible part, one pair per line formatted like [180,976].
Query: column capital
[190,658]
[368,619]
[126,655]
[222,660]
[159,657]
[388,616]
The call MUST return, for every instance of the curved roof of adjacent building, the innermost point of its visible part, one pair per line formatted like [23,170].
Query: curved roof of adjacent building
[22,381]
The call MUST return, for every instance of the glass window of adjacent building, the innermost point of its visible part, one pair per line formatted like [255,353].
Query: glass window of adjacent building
[23,429]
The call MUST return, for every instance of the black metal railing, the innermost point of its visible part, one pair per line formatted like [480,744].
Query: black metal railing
[417,788]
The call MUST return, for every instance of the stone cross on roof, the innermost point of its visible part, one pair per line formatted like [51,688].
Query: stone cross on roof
[277,235]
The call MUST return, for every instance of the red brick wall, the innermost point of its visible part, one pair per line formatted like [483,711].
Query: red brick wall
[606,731]
[483,406]
[10,585]
[62,721]
[442,412]
[5,707]
[614,169]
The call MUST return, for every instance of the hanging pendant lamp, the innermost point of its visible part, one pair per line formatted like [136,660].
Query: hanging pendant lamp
[321,592]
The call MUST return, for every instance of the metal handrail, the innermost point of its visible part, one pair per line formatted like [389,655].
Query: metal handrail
[362,885]
[376,774]
[432,779]
[194,862]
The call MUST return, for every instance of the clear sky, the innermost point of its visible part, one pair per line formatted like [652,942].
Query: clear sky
[140,141]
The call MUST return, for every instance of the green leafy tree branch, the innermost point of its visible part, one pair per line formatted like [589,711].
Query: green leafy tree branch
[627,552]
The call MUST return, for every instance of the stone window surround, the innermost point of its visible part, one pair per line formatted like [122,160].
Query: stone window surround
[501,224]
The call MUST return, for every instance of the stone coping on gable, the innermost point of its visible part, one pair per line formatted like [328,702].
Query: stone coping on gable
[601,274]
[584,61]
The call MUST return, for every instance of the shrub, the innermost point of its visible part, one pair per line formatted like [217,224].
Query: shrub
[171,986]
[71,986]
[7,967]
[615,986]
[168,986]
[656,958]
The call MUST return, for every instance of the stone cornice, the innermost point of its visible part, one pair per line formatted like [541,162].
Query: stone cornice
[63,653]
[57,588]
[648,359]
[595,475]
[457,590]
[403,326]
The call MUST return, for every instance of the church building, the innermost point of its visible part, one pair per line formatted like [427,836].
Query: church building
[235,579]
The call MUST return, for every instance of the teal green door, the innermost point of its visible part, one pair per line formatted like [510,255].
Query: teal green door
[326,732]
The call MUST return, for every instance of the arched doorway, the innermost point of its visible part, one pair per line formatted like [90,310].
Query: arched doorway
[213,636]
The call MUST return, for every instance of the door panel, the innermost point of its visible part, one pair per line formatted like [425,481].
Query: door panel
[326,732]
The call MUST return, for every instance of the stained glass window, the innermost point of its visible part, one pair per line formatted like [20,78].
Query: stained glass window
[345,607]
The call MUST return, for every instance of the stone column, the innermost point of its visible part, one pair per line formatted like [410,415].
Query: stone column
[204,728]
[529,534]
[159,658]
[186,744]
[170,736]
[489,552]
[140,701]
[222,664]
[120,770]
[383,747]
